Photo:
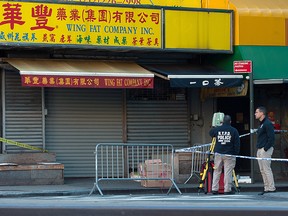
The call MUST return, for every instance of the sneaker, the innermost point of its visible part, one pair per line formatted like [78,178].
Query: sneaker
[229,193]
[215,192]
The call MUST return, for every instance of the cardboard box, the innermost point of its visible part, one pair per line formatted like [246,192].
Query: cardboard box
[156,183]
[158,174]
[154,168]
[154,161]
[157,167]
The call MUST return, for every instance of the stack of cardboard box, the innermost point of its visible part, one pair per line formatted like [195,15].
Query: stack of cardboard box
[156,172]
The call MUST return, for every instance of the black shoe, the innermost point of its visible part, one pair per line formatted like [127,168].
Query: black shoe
[215,192]
[229,193]
[264,192]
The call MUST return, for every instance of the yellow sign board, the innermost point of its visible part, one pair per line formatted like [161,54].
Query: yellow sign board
[41,23]
[199,30]
[49,24]
[173,3]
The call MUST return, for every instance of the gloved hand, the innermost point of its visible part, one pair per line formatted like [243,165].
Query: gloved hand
[253,130]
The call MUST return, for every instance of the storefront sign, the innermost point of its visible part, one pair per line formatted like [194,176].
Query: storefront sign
[63,24]
[86,82]
[48,24]
[174,3]
[225,92]
[242,66]
[198,30]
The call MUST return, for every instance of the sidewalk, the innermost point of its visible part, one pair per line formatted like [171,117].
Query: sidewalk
[83,186]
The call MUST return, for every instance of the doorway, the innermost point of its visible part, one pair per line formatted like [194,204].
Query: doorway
[239,110]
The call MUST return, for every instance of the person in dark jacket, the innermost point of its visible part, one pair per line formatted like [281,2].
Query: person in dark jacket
[265,147]
[227,142]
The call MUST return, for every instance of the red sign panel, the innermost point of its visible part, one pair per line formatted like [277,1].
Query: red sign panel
[86,82]
[242,66]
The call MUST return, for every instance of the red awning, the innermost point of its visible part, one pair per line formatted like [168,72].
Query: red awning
[82,73]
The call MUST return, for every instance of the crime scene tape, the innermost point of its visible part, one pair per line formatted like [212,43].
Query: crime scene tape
[189,149]
[237,156]
[11,142]
[247,157]
[194,149]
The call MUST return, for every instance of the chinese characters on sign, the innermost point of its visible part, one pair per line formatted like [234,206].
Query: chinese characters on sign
[225,92]
[173,3]
[216,82]
[208,82]
[86,82]
[44,23]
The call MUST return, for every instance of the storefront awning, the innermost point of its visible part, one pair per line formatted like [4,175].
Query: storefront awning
[269,63]
[189,76]
[271,81]
[260,36]
[82,73]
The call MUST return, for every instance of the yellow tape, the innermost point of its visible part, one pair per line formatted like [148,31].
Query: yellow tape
[11,142]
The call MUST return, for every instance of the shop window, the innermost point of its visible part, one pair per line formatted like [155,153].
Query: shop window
[161,91]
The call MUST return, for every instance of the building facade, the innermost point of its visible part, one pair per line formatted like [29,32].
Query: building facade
[91,74]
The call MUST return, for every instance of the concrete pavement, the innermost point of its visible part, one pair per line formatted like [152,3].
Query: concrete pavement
[83,186]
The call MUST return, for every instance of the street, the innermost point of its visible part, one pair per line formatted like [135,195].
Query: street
[168,205]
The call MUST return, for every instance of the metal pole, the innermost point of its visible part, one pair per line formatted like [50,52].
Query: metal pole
[251,94]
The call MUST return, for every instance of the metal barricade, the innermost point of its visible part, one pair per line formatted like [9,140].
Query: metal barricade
[147,163]
[199,155]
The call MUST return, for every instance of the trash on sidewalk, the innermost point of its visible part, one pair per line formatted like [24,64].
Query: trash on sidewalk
[244,179]
[135,176]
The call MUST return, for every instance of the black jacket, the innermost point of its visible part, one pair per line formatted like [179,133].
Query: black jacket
[227,139]
[265,135]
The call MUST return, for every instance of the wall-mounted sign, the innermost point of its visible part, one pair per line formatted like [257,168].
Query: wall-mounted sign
[86,82]
[48,24]
[242,66]
[198,30]
[51,24]
[173,3]
[225,92]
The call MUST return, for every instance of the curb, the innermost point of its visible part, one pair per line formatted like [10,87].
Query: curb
[106,191]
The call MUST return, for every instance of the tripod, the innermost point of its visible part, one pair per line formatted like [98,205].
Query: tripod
[209,168]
